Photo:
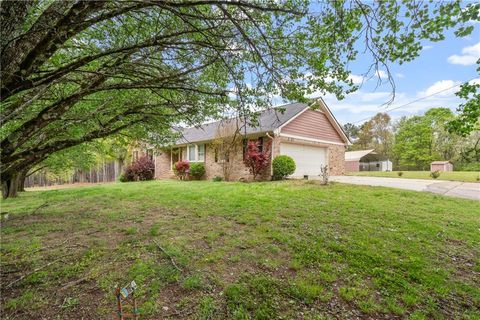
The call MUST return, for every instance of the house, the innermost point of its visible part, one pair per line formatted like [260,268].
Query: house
[309,134]
[441,166]
[366,160]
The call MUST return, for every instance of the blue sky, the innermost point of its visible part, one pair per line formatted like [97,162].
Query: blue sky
[440,65]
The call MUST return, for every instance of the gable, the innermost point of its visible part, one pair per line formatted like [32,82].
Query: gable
[313,124]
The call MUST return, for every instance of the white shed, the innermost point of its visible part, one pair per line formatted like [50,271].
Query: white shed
[366,160]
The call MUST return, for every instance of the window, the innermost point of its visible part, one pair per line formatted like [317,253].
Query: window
[150,154]
[223,157]
[201,152]
[196,153]
[191,153]
[260,144]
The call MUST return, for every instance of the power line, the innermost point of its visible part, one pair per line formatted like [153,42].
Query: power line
[416,100]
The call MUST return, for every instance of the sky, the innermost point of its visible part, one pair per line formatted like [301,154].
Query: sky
[440,66]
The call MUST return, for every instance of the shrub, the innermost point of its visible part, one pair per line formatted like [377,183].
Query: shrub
[217,179]
[257,161]
[141,169]
[283,166]
[122,178]
[325,174]
[462,166]
[400,173]
[181,169]
[435,174]
[197,170]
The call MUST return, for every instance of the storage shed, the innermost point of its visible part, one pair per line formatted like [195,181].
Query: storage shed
[441,166]
[366,160]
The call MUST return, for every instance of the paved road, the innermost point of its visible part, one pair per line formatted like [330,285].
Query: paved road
[468,190]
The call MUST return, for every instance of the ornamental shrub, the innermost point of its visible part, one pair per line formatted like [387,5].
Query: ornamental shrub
[217,179]
[435,174]
[283,166]
[142,169]
[400,173]
[197,170]
[181,169]
[255,160]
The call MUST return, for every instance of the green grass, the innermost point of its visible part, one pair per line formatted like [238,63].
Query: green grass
[466,176]
[267,250]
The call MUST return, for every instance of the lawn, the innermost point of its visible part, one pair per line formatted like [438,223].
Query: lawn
[467,176]
[273,250]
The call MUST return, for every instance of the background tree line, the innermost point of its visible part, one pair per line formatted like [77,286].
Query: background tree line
[413,142]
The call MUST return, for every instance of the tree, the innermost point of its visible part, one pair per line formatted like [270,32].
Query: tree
[351,130]
[365,136]
[227,145]
[75,71]
[445,143]
[413,143]
[256,160]
[422,139]
[382,133]
[468,119]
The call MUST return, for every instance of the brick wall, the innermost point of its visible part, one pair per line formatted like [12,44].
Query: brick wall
[238,170]
[352,166]
[163,165]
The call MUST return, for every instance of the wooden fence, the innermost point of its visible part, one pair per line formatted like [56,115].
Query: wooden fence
[106,172]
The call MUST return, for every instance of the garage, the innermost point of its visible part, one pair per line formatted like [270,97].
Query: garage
[308,159]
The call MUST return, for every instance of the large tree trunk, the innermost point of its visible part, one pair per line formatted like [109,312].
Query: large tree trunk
[10,186]
[21,180]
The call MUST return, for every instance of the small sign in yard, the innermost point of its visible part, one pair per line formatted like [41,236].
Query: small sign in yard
[125,296]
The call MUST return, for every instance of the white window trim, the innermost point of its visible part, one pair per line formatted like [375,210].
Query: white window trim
[196,153]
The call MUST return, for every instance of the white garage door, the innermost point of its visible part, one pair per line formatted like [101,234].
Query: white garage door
[308,159]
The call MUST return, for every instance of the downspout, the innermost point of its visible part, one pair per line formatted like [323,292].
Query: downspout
[271,152]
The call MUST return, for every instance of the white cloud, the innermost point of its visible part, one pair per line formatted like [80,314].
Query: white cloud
[441,88]
[469,56]
[381,74]
[427,47]
[474,81]
[399,75]
[356,79]
[362,105]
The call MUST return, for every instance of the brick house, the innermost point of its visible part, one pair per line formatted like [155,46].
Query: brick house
[309,134]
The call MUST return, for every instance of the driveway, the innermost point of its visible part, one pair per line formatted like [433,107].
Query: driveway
[468,190]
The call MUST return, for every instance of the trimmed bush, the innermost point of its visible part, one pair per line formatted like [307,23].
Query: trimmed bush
[197,170]
[400,173]
[140,170]
[181,169]
[217,179]
[283,166]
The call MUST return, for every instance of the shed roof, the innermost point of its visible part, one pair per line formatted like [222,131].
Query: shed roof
[357,155]
[440,162]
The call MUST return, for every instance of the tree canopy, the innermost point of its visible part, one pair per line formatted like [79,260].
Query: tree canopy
[74,71]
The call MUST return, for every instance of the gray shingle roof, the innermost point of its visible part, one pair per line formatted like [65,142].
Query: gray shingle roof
[268,120]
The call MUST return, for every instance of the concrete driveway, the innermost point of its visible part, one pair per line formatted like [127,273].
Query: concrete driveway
[468,190]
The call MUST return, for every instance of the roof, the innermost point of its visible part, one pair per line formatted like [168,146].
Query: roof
[268,120]
[440,162]
[357,155]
